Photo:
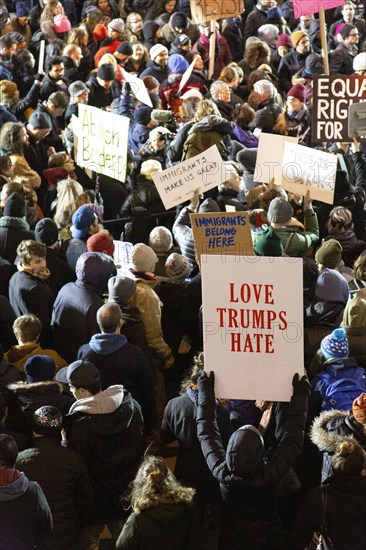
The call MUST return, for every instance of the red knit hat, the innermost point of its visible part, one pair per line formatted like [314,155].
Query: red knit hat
[359,408]
[101,242]
[298,91]
[284,40]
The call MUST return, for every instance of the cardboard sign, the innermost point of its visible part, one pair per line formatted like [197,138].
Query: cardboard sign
[308,7]
[208,10]
[178,183]
[222,233]
[138,88]
[306,169]
[253,325]
[269,157]
[332,97]
[102,142]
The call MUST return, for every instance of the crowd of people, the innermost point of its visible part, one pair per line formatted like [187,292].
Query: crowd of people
[101,358]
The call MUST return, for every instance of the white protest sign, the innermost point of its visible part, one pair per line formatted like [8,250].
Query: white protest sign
[306,169]
[138,88]
[102,142]
[42,46]
[122,257]
[269,157]
[186,75]
[178,183]
[253,325]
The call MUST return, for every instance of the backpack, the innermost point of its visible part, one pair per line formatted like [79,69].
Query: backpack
[341,393]
[198,142]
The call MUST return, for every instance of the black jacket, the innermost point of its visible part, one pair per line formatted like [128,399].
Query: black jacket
[12,232]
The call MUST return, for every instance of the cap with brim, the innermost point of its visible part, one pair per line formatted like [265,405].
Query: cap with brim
[79,374]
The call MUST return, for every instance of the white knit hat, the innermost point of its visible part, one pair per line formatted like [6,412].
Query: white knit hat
[143,258]
[149,167]
[160,239]
[359,62]
[155,50]
[177,266]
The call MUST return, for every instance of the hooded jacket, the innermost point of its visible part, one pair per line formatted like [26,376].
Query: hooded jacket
[122,363]
[25,517]
[107,430]
[331,428]
[13,230]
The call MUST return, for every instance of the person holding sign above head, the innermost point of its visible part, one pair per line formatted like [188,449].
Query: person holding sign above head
[247,479]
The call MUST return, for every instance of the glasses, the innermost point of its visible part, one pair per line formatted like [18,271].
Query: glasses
[354,34]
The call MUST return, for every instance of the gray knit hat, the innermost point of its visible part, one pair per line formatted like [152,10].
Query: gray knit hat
[279,211]
[120,289]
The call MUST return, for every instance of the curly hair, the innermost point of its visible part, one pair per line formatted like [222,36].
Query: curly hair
[340,219]
[27,250]
[256,54]
[155,484]
[204,108]
[196,370]
[11,138]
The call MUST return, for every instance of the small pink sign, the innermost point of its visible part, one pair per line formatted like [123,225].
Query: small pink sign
[308,7]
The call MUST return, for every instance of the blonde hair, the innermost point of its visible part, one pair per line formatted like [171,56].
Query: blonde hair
[155,484]
[108,59]
[196,370]
[359,267]
[69,194]
[349,458]
[340,219]
[204,108]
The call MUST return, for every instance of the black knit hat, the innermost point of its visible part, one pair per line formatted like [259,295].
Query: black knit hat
[149,30]
[106,72]
[125,48]
[15,206]
[46,231]
[47,421]
[179,20]
[346,30]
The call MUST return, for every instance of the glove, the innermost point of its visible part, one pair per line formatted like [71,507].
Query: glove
[301,385]
[39,77]
[126,88]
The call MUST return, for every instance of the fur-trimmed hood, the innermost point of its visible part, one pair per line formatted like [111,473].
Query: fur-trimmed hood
[327,439]
[36,387]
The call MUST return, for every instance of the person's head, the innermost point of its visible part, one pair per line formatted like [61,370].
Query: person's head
[159,55]
[155,484]
[46,421]
[264,90]
[83,378]
[73,52]
[359,409]
[46,232]
[8,451]
[169,5]
[79,92]
[39,125]
[300,41]
[23,63]
[157,137]
[349,458]
[335,345]
[204,108]
[57,103]
[329,254]
[305,21]
[134,23]
[32,256]
[177,267]
[161,239]
[116,28]
[348,11]
[13,138]
[350,35]
[295,98]
[9,93]
[143,258]
[340,220]
[279,212]
[109,318]
[84,222]
[359,63]
[233,180]
[22,14]
[105,76]
[6,169]
[62,160]
[257,53]
[179,22]
[283,44]
[138,51]
[78,36]
[27,328]
[151,84]
[230,76]
[8,46]
[220,91]
[243,115]
[123,52]
[359,267]
[55,68]
[331,286]
[39,368]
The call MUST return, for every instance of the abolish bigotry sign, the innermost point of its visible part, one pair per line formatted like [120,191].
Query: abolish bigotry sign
[333,96]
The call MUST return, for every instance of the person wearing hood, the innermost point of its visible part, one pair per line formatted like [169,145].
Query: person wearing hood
[158,64]
[106,428]
[256,18]
[222,50]
[247,479]
[74,312]
[25,516]
[120,362]
[152,34]
[169,95]
[163,512]
[13,227]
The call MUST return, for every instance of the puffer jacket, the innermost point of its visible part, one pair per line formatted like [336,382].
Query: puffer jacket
[145,196]
[331,428]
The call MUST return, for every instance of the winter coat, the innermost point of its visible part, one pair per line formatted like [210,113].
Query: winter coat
[331,428]
[8,375]
[72,71]
[25,517]
[122,363]
[98,96]
[138,134]
[18,355]
[234,37]
[341,61]
[61,272]
[223,55]
[256,18]
[51,85]
[7,318]
[70,498]
[134,330]
[175,150]
[266,116]
[183,234]
[168,526]
[179,424]
[248,484]
[145,196]
[170,34]
[155,70]
[23,173]
[289,65]
[107,430]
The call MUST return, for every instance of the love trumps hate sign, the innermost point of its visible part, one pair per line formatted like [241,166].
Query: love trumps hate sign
[253,325]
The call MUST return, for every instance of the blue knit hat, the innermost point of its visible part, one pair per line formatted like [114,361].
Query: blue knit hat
[335,345]
[177,64]
[39,368]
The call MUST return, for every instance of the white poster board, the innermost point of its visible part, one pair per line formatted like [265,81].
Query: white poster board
[122,257]
[306,169]
[102,142]
[178,183]
[253,325]
[138,88]
[186,75]
[269,157]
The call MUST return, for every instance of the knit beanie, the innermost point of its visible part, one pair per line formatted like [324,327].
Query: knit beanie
[208,206]
[149,167]
[143,258]
[46,231]
[77,88]
[335,345]
[117,25]
[155,50]
[179,20]
[284,40]
[21,10]
[177,63]
[331,286]
[359,408]
[279,211]
[313,65]
[346,30]
[160,239]
[40,121]
[61,23]
[355,311]
[149,30]
[15,206]
[142,115]
[296,36]
[39,368]
[269,244]
[298,91]
[125,48]
[329,254]
[101,242]
[47,421]
[177,266]
[121,289]
[106,72]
